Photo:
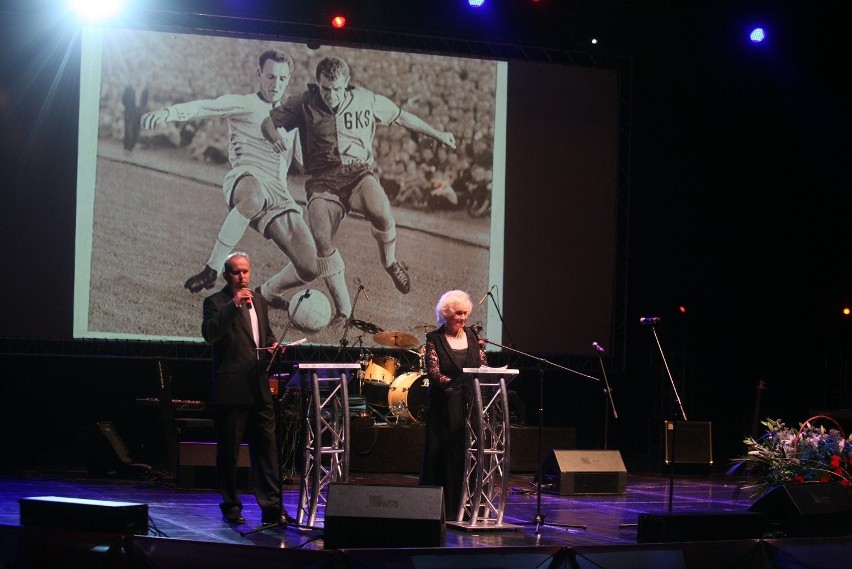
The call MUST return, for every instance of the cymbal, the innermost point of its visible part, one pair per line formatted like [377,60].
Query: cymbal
[423,328]
[367,327]
[396,339]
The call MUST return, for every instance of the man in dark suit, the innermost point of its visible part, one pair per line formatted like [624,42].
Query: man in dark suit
[236,323]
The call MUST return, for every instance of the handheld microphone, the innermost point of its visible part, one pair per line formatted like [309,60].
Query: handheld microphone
[598,347]
[649,320]
[248,300]
[306,294]
[490,290]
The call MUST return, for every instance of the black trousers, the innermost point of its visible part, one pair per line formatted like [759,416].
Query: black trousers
[255,423]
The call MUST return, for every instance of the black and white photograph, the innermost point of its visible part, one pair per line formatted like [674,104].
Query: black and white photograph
[179,130]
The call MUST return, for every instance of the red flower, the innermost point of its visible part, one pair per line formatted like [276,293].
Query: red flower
[844,483]
[824,479]
[799,479]
[835,461]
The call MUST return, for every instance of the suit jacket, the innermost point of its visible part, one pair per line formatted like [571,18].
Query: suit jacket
[239,375]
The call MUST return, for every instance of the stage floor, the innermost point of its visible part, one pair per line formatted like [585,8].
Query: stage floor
[194,514]
[185,529]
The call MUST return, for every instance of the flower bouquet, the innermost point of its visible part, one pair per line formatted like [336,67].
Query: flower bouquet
[783,454]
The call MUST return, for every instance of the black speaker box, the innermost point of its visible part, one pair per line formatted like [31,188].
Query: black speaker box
[569,472]
[700,526]
[692,440]
[83,514]
[384,516]
[807,510]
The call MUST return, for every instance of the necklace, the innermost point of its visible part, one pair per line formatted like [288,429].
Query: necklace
[458,335]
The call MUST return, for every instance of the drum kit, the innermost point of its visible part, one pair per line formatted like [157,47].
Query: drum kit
[393,391]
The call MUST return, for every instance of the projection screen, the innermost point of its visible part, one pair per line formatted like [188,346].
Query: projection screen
[525,208]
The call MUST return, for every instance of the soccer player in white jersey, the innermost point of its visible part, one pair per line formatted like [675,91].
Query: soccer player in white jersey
[337,123]
[255,188]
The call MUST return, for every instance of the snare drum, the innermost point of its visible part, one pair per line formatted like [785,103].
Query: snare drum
[408,396]
[381,368]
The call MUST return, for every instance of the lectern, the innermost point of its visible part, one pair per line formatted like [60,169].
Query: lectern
[487,452]
[326,428]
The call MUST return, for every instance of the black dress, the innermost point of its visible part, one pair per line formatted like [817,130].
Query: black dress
[446,438]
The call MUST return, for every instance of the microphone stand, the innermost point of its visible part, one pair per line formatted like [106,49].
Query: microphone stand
[302,297]
[539,516]
[499,314]
[674,418]
[278,350]
[343,341]
[609,403]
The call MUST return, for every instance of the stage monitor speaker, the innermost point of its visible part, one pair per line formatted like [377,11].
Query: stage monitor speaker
[700,526]
[569,472]
[103,449]
[83,514]
[384,516]
[807,510]
[693,442]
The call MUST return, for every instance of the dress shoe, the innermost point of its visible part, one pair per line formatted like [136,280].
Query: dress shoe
[234,517]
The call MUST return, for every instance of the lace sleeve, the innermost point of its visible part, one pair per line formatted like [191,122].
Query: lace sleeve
[433,366]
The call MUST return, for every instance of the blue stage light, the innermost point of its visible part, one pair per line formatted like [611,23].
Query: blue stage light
[757,35]
[476,3]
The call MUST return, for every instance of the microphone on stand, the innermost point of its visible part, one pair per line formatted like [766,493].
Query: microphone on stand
[649,320]
[490,290]
[476,329]
[598,347]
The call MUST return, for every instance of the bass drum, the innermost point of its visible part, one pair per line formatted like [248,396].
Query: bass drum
[409,397]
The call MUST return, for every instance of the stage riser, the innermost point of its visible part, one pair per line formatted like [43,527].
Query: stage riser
[46,547]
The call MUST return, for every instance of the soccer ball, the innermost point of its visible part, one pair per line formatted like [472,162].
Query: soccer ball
[310,310]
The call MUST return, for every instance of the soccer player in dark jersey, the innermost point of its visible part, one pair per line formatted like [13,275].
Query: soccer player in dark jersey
[336,123]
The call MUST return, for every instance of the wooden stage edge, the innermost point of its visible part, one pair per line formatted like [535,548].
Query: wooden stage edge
[398,448]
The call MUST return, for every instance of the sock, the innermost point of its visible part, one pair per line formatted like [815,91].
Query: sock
[386,241]
[233,229]
[332,268]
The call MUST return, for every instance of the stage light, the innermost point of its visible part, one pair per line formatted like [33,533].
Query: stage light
[476,3]
[847,311]
[95,10]
[338,22]
[757,35]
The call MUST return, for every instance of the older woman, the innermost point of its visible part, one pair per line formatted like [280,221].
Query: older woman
[449,349]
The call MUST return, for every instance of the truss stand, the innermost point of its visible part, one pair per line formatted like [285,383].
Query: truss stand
[326,421]
[486,472]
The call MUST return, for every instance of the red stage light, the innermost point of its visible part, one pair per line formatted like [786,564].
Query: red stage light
[338,22]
